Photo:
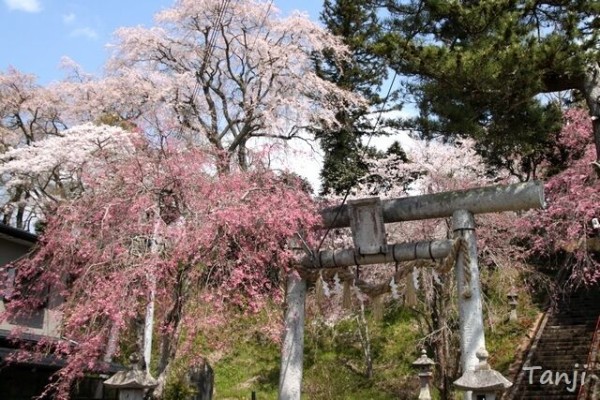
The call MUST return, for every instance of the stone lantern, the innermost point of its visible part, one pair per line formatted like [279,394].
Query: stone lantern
[512,297]
[483,381]
[424,365]
[133,383]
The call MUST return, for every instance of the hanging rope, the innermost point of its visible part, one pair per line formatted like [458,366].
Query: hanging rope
[450,261]
[464,250]
[319,292]
[378,308]
[346,277]
[347,295]
[410,295]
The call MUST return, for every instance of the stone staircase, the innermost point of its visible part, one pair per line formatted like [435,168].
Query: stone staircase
[555,363]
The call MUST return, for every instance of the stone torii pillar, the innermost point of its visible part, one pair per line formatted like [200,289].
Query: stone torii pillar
[368,249]
[292,350]
[469,291]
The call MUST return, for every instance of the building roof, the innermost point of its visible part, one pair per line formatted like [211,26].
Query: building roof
[17,235]
[8,347]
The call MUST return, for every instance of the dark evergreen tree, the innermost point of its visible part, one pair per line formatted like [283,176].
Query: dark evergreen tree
[478,68]
[357,23]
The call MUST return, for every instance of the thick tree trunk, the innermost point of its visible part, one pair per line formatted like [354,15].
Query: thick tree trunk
[200,378]
[439,312]
[173,319]
[21,214]
[113,342]
[149,318]
[158,391]
[591,92]
[223,162]
[9,210]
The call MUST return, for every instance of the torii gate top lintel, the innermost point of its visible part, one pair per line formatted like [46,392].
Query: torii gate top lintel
[489,199]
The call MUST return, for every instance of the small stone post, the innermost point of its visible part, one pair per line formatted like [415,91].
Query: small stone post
[512,297]
[424,365]
[483,382]
[131,384]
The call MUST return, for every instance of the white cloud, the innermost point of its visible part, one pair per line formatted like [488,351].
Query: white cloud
[68,18]
[86,32]
[31,6]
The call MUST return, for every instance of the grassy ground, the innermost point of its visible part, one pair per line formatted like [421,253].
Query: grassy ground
[334,366]
[333,363]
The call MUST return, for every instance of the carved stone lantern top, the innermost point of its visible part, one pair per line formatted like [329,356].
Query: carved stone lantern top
[134,378]
[483,378]
[423,362]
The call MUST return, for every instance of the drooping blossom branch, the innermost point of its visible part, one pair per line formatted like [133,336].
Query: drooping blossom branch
[222,243]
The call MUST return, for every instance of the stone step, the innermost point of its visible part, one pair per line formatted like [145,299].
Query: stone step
[577,324]
[553,342]
[548,355]
[574,349]
[562,341]
[565,342]
[554,350]
[562,365]
[567,327]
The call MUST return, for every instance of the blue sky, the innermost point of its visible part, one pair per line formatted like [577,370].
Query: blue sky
[36,34]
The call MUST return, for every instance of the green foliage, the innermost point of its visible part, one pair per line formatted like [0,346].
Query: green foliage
[246,359]
[335,364]
[503,337]
[177,388]
[397,150]
[357,24]
[478,68]
[251,366]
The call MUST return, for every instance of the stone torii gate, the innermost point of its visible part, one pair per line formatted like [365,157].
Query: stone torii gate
[367,218]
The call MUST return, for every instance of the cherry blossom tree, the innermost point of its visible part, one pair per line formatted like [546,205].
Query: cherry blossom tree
[154,224]
[31,114]
[28,113]
[174,211]
[51,170]
[573,198]
[224,73]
